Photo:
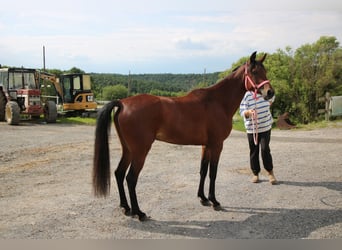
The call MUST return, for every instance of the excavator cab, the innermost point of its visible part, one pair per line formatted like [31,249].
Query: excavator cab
[72,92]
[77,93]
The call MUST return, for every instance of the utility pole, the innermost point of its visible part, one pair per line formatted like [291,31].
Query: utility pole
[205,70]
[44,58]
[129,83]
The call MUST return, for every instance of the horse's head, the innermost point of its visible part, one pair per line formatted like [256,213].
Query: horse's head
[255,77]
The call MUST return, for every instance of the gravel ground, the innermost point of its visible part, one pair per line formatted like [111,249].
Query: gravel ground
[46,192]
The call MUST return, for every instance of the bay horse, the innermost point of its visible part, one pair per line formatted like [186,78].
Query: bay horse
[202,117]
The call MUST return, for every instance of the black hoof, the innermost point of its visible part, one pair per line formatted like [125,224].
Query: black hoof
[205,202]
[144,217]
[141,216]
[126,211]
[217,207]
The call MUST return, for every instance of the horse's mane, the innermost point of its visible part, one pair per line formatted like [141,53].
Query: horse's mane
[256,62]
[235,69]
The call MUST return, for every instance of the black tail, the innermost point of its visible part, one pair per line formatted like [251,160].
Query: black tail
[101,169]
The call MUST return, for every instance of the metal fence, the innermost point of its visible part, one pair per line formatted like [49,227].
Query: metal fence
[333,106]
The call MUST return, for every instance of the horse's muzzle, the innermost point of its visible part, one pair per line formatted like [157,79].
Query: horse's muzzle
[269,94]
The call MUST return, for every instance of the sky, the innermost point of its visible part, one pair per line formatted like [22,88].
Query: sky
[157,36]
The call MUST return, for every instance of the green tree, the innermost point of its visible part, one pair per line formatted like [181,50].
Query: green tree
[315,64]
[302,76]
[75,70]
[114,92]
[280,71]
[200,85]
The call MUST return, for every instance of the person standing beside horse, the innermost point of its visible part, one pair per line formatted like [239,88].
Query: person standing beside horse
[258,123]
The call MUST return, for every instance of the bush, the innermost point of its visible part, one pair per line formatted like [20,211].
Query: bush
[114,92]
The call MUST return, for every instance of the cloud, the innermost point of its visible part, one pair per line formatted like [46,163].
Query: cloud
[144,35]
[189,44]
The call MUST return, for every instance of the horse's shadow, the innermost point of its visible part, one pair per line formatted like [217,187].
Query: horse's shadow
[261,223]
[265,223]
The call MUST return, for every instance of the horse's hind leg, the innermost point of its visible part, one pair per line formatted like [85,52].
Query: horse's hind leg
[120,173]
[203,174]
[132,179]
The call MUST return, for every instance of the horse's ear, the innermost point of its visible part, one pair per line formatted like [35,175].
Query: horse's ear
[252,58]
[263,58]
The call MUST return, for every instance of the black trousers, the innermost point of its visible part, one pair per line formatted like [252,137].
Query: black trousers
[263,143]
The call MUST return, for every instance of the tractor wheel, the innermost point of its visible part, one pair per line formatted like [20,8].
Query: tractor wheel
[50,112]
[3,101]
[12,113]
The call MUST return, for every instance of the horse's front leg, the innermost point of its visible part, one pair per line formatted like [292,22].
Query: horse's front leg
[215,155]
[212,177]
[203,174]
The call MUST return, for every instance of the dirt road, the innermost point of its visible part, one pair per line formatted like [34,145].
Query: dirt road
[46,193]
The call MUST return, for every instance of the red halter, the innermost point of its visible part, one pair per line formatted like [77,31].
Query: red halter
[255,86]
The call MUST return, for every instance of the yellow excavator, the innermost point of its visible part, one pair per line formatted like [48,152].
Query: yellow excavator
[74,94]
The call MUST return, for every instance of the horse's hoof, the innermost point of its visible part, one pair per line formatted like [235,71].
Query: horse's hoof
[144,217]
[126,211]
[205,202]
[140,215]
[217,207]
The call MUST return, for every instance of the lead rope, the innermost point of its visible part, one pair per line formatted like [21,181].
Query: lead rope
[255,126]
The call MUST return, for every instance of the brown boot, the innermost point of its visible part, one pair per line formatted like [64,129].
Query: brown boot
[271,178]
[255,179]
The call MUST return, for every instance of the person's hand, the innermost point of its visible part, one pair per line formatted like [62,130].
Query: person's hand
[249,113]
